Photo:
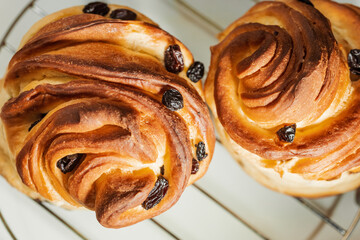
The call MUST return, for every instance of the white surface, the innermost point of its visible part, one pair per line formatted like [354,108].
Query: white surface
[195,216]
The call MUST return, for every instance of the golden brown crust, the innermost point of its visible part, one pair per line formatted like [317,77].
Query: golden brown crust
[281,64]
[102,93]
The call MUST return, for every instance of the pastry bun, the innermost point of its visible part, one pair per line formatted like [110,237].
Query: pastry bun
[98,112]
[285,99]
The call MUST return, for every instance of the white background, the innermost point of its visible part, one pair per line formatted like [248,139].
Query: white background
[195,216]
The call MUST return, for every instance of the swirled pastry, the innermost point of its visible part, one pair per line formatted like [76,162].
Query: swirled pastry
[99,112]
[286,99]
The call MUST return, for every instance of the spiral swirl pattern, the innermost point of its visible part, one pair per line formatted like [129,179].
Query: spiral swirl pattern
[284,63]
[89,88]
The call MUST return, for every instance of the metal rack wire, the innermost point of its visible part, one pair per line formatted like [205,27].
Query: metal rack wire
[344,233]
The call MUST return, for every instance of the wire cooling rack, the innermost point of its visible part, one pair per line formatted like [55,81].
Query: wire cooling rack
[203,19]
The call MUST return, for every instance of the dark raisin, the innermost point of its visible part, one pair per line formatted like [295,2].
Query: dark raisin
[174,61]
[306,2]
[157,193]
[195,166]
[99,8]
[123,14]
[162,170]
[195,71]
[69,162]
[37,121]
[276,33]
[287,133]
[354,61]
[173,99]
[200,151]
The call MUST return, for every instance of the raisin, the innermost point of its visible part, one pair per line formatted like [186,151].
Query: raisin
[354,61]
[174,61]
[306,2]
[195,166]
[162,170]
[195,71]
[173,99]
[69,162]
[200,151]
[287,133]
[37,121]
[99,8]
[123,14]
[157,193]
[276,33]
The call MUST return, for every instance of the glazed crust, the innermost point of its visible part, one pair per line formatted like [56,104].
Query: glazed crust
[100,82]
[285,62]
